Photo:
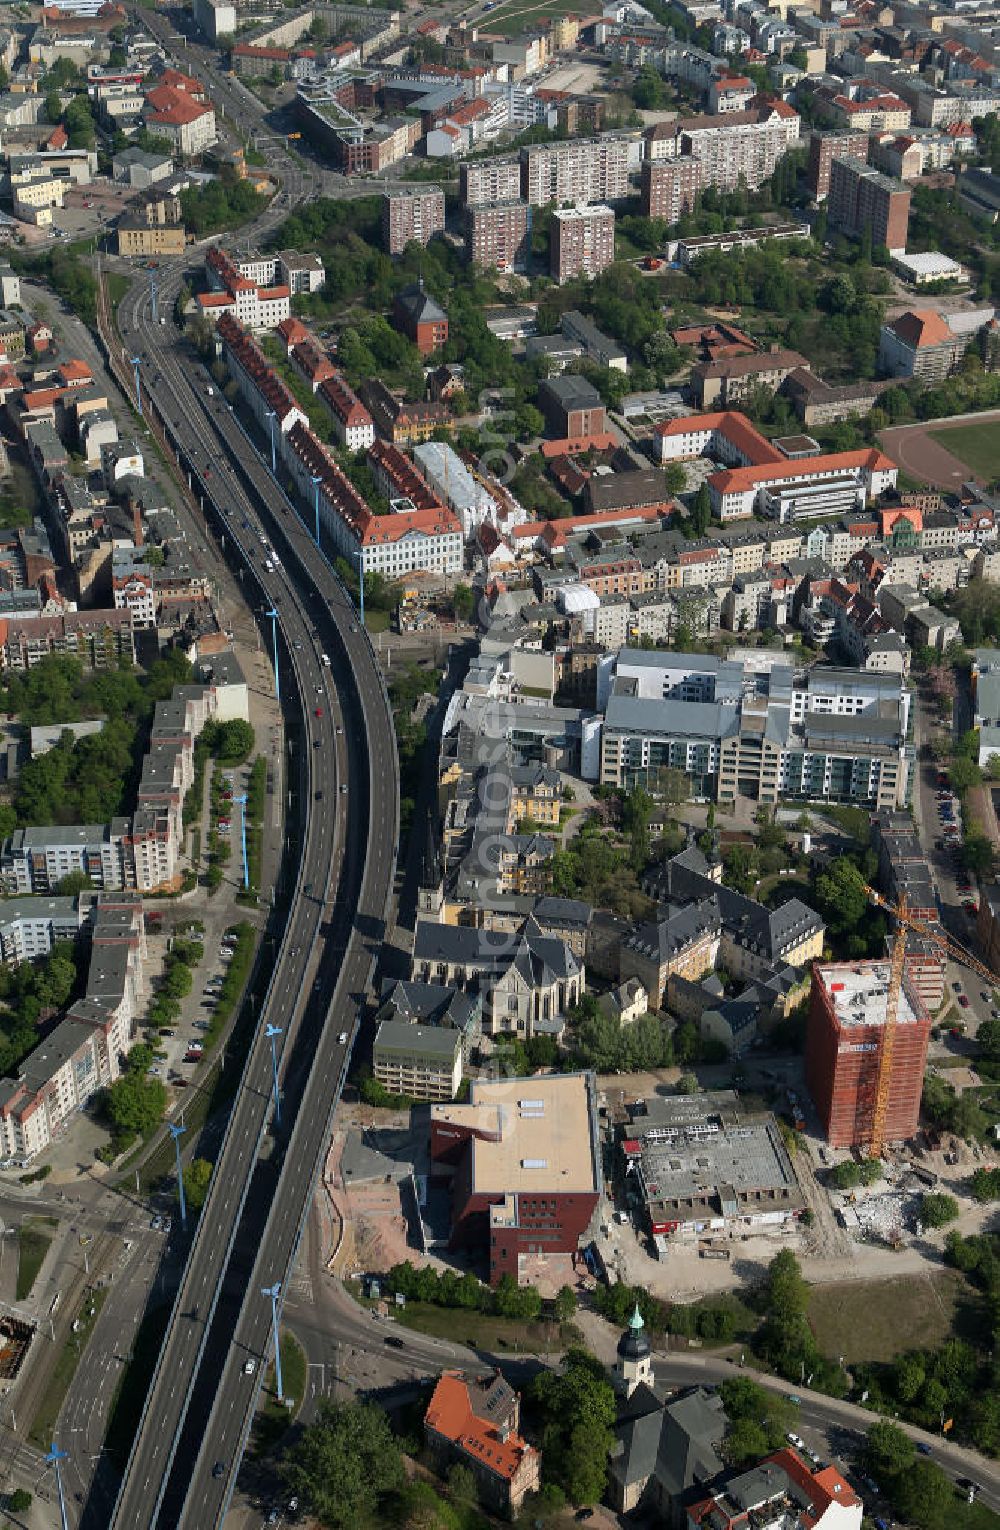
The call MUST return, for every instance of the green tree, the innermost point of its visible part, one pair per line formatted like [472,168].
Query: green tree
[965,773]
[924,1496]
[20,1500]
[938,1210]
[978,853]
[909,1376]
[462,1485]
[514,1301]
[577,1408]
[985,1185]
[988,1037]
[462,602]
[564,1304]
[674,477]
[345,1464]
[197,1176]
[888,1451]
[701,510]
[746,1440]
[841,897]
[134,1105]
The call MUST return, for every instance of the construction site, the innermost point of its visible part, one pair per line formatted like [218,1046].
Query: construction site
[847,1039]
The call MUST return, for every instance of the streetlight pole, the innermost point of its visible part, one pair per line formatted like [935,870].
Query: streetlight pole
[241,803]
[361,583]
[274,1292]
[274,639]
[136,364]
[152,296]
[177,1133]
[54,1458]
[271,417]
[272,1033]
[316,481]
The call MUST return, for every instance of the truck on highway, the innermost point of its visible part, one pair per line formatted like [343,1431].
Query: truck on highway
[326,659]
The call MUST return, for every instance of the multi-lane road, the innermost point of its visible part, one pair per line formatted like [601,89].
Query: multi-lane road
[347,779]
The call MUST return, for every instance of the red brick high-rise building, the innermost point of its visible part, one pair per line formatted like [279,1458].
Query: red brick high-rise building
[498,235]
[411,214]
[582,241]
[861,198]
[824,148]
[844,1037]
[670,187]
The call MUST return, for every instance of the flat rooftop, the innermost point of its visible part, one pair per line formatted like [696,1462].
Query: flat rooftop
[858,990]
[542,1133]
[706,1157]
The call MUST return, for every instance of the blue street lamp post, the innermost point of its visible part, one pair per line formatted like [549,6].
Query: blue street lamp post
[274,1293]
[271,417]
[55,1458]
[241,803]
[274,639]
[316,481]
[136,364]
[272,1033]
[177,1133]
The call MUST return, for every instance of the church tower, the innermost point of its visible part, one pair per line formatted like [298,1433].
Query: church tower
[634,1365]
[430,893]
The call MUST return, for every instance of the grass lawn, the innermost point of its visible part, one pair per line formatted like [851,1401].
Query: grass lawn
[43,1424]
[32,1245]
[376,621]
[273,1418]
[117,286]
[978,446]
[878,1319]
[521,15]
[480,1330]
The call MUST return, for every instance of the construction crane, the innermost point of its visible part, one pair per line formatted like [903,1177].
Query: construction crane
[905,921]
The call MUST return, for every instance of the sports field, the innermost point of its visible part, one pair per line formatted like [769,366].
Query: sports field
[978,446]
[521,15]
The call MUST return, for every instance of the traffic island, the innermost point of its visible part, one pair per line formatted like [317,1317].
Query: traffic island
[274,1418]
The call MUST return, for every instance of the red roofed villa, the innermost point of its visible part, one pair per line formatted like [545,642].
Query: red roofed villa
[474,1421]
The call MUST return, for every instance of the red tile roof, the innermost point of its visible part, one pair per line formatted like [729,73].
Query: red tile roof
[173,106]
[731,424]
[921,327]
[450,1413]
[74,371]
[185,82]
[732,480]
[294,332]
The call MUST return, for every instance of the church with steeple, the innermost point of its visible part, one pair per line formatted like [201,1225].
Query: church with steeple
[665,1442]
[634,1365]
[430,893]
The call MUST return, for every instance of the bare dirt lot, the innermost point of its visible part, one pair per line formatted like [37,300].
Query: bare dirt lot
[923,457]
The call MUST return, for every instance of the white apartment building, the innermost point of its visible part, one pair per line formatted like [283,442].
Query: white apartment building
[30,927]
[86,1050]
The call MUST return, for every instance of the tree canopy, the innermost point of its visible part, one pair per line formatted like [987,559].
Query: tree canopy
[345,1464]
[578,1410]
